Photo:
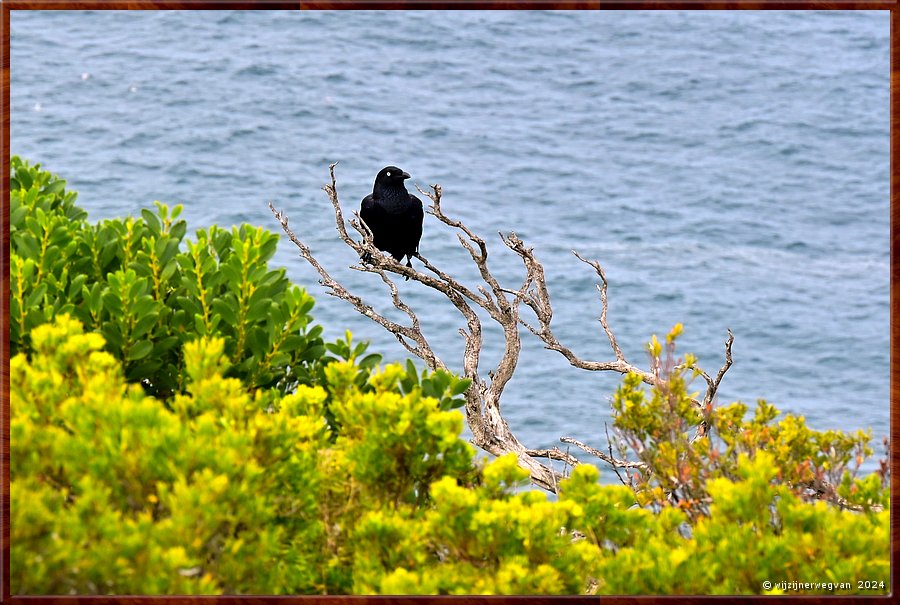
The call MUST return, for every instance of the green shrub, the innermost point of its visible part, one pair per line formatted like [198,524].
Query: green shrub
[237,492]
[278,463]
[756,531]
[659,430]
[226,492]
[131,281]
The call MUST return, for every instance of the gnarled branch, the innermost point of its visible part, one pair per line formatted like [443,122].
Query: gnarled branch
[489,428]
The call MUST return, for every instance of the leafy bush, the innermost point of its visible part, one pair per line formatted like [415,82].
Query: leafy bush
[813,464]
[279,463]
[757,531]
[237,492]
[129,280]
[225,492]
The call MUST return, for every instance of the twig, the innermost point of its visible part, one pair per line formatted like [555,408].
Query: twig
[555,453]
[609,459]
[614,467]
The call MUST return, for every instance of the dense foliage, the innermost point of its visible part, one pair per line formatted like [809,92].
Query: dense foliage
[239,493]
[256,458]
[129,280]
[133,281]
[659,430]
[227,491]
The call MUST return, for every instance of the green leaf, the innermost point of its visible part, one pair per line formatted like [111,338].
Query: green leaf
[199,326]
[456,403]
[178,229]
[189,304]
[259,342]
[168,271]
[259,309]
[24,179]
[460,386]
[369,361]
[411,371]
[152,222]
[112,335]
[76,285]
[36,295]
[227,311]
[139,350]
[144,306]
[293,342]
[53,187]
[144,324]
[307,305]
[165,344]
[27,246]
[112,303]
[232,277]
[17,217]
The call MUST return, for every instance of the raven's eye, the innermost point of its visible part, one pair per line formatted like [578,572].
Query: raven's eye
[388,174]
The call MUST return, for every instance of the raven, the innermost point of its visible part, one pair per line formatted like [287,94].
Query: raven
[393,215]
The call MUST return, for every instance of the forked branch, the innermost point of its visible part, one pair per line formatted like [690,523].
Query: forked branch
[490,430]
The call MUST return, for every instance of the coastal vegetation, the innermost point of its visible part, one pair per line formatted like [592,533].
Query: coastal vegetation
[179,425]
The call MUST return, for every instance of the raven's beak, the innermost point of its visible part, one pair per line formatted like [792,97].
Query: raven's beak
[405,175]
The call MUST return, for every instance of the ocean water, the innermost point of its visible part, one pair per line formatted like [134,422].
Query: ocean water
[728,169]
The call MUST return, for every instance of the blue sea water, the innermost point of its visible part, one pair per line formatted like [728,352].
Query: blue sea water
[729,170]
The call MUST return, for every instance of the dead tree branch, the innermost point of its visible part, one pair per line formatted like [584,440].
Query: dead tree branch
[489,428]
[484,416]
[608,458]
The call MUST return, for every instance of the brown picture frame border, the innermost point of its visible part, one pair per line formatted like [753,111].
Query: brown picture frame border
[10,5]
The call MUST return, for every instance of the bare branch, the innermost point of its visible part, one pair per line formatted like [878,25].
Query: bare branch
[502,304]
[604,302]
[615,468]
[555,454]
[714,385]
[614,462]
[823,490]
[480,257]
[422,348]
[539,301]
[489,428]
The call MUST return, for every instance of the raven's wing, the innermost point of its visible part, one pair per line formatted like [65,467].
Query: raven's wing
[416,217]
[370,213]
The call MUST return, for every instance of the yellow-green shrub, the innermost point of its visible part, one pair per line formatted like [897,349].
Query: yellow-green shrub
[223,491]
[113,493]
[482,540]
[237,491]
[756,532]
[659,429]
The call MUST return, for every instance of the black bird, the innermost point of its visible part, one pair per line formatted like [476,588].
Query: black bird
[393,215]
